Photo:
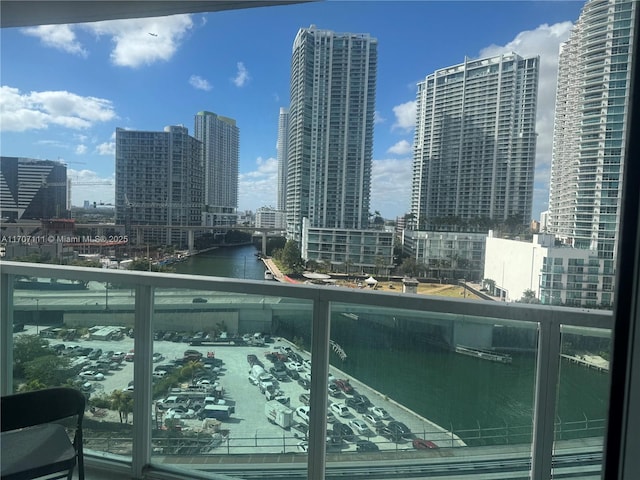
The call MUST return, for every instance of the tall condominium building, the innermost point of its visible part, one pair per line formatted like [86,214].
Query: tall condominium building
[333,83]
[475,142]
[220,139]
[282,147]
[33,189]
[159,181]
[590,127]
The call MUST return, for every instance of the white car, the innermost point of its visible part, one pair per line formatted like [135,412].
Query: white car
[180,412]
[359,426]
[91,375]
[298,367]
[372,420]
[379,413]
[303,413]
[303,447]
[339,409]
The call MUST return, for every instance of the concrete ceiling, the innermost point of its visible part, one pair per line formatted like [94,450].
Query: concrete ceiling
[21,13]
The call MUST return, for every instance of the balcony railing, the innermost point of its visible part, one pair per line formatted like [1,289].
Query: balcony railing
[150,302]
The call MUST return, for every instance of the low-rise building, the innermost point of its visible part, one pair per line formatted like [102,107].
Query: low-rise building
[267,217]
[365,251]
[446,255]
[556,274]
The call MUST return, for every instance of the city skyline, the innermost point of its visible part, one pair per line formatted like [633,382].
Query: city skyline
[114,74]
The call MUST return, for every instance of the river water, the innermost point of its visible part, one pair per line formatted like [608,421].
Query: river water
[473,397]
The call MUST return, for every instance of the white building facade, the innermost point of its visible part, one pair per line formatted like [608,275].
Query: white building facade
[558,275]
[220,139]
[475,142]
[267,217]
[594,77]
[331,114]
[282,148]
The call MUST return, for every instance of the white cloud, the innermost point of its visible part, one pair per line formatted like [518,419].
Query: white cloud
[37,110]
[405,115]
[544,41]
[196,81]
[391,186]
[242,77]
[258,188]
[378,118]
[91,186]
[143,41]
[401,148]
[81,149]
[106,148]
[60,37]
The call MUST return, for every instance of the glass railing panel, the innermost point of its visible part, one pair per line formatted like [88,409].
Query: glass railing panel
[76,333]
[458,385]
[229,373]
[583,400]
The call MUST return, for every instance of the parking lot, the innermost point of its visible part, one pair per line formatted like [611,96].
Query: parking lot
[248,430]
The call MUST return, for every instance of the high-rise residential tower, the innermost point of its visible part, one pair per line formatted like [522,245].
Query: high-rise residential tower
[333,83]
[220,139]
[159,181]
[590,127]
[282,147]
[475,143]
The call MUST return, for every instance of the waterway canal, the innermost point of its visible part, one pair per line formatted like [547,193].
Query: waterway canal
[453,390]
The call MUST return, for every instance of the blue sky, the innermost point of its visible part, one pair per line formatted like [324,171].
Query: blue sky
[65,88]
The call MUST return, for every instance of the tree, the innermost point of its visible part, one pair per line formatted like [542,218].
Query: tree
[409,267]
[48,370]
[528,296]
[291,258]
[123,403]
[25,349]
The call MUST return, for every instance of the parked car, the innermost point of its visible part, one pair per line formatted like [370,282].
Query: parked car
[305,398]
[303,413]
[91,375]
[339,409]
[362,399]
[334,391]
[372,420]
[129,357]
[356,405]
[405,431]
[379,412]
[343,432]
[359,426]
[366,446]
[421,443]
[181,412]
[293,374]
[304,383]
[344,385]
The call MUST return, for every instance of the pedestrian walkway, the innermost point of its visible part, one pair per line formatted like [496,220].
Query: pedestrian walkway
[277,274]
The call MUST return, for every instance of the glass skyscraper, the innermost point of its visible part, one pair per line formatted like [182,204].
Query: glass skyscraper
[220,139]
[159,181]
[282,147]
[590,128]
[333,83]
[475,143]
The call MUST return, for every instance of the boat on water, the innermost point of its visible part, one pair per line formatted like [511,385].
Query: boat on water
[268,275]
[484,354]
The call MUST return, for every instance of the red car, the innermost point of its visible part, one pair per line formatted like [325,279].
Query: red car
[344,385]
[420,443]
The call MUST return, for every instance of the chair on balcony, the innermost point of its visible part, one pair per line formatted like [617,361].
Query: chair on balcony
[33,444]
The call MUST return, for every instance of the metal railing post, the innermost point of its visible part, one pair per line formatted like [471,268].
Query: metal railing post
[546,387]
[6,334]
[320,333]
[142,366]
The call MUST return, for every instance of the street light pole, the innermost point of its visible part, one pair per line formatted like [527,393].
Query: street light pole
[37,316]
